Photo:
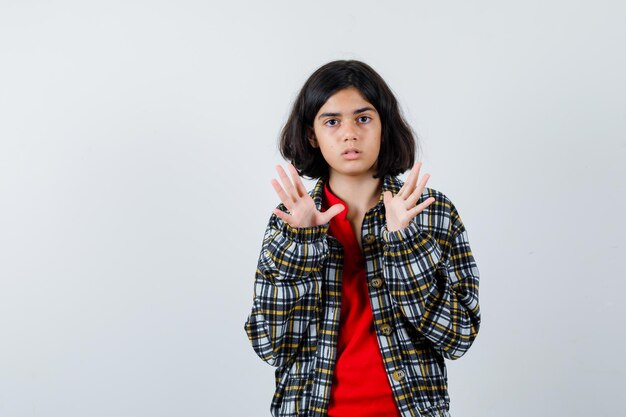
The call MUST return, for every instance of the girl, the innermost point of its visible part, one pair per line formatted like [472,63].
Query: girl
[365,283]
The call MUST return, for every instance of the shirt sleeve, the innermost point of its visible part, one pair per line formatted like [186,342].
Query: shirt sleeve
[435,282]
[286,289]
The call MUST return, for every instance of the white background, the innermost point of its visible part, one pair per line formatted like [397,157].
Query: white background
[137,144]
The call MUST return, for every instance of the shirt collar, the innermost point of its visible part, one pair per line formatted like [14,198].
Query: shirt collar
[390,183]
[332,199]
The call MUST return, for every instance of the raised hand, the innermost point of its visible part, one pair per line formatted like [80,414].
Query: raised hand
[302,209]
[401,208]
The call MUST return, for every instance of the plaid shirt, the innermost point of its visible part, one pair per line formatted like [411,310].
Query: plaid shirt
[423,288]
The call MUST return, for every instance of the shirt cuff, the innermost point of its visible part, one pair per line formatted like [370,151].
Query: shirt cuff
[405,235]
[305,234]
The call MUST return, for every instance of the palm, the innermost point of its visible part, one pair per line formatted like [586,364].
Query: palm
[302,209]
[401,208]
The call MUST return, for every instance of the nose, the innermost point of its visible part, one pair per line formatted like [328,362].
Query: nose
[349,131]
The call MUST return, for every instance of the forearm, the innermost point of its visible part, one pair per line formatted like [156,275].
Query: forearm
[286,290]
[280,318]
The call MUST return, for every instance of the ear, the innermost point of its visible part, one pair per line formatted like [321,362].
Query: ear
[312,139]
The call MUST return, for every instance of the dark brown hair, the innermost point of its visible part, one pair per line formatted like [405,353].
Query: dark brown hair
[398,141]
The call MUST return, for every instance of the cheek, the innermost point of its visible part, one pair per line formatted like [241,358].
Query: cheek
[329,149]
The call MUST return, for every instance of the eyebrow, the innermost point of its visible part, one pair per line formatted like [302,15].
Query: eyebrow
[357,111]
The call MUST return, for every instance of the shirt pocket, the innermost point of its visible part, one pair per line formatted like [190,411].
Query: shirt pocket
[293,394]
[296,396]
[427,372]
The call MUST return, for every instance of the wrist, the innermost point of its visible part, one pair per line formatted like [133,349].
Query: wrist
[394,234]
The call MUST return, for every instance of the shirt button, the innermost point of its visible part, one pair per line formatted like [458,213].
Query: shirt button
[376,282]
[369,238]
[385,329]
[398,375]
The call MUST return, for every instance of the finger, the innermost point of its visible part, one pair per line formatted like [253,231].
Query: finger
[287,185]
[284,198]
[387,196]
[423,182]
[419,190]
[300,188]
[416,174]
[332,212]
[409,185]
[282,215]
[420,207]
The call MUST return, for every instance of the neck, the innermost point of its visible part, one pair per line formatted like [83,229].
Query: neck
[360,193]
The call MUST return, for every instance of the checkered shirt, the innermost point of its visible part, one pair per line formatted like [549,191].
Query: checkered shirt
[423,288]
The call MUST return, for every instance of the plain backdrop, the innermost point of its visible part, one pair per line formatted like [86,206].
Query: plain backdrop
[138,140]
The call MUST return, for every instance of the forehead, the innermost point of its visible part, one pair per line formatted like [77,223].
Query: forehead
[346,99]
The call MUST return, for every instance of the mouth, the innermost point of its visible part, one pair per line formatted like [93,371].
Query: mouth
[351,154]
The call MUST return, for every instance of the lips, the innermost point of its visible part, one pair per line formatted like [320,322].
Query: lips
[351,154]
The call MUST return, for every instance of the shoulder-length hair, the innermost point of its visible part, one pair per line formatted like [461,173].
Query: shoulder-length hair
[398,141]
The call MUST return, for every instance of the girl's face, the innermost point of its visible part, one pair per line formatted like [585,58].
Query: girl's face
[347,121]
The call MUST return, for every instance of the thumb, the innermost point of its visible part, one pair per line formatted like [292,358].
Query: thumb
[387,196]
[332,212]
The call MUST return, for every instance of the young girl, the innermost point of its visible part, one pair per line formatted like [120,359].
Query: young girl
[365,283]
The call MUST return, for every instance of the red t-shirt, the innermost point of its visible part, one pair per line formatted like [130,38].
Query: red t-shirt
[360,385]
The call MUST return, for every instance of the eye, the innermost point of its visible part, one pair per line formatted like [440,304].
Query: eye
[331,122]
[367,119]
